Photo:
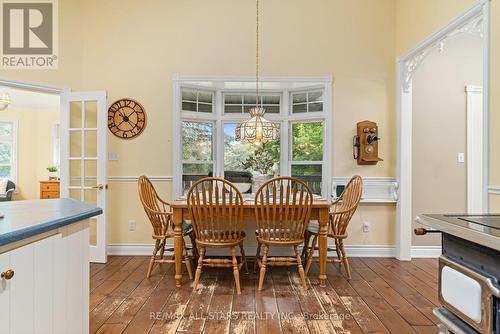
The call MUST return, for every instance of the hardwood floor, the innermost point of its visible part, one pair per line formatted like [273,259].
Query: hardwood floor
[384,296]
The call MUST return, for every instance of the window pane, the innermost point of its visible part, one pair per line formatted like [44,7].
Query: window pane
[299,108]
[188,95]
[5,129]
[299,97]
[311,174]
[188,106]
[197,141]
[233,109]
[271,99]
[248,163]
[316,107]
[5,171]
[307,141]
[193,172]
[315,96]
[233,99]
[250,99]
[272,109]
[5,153]
[205,97]
[204,107]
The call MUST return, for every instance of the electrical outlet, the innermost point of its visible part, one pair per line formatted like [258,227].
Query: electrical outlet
[131,225]
[461,158]
[366,227]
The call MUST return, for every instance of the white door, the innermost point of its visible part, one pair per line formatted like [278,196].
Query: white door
[83,159]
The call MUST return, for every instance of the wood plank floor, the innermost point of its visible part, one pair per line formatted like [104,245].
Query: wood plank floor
[384,296]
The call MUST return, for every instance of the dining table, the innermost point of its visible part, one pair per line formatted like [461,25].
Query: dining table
[319,211]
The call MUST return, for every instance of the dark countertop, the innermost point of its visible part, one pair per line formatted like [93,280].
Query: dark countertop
[481,229]
[24,219]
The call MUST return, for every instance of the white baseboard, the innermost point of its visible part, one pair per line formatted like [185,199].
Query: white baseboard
[351,250]
[425,251]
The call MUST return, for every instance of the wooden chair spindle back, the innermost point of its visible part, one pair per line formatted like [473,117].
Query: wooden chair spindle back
[156,209]
[216,209]
[343,211]
[282,209]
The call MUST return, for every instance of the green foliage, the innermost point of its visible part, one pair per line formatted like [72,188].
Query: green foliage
[5,153]
[197,145]
[307,141]
[196,141]
[52,169]
[262,160]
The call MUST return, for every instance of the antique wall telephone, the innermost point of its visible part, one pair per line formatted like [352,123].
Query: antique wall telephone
[365,143]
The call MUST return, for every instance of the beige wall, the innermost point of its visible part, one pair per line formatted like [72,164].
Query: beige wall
[217,38]
[34,149]
[439,127]
[133,48]
[417,19]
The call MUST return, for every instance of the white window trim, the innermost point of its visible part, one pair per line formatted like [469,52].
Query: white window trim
[14,140]
[56,142]
[285,118]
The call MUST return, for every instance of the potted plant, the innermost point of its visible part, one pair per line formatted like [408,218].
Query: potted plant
[53,173]
[261,163]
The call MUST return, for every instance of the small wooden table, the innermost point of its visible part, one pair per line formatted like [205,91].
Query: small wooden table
[320,212]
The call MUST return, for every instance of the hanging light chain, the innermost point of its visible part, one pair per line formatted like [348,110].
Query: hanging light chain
[257,54]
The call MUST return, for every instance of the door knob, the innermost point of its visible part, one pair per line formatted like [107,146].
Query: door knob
[7,274]
[98,187]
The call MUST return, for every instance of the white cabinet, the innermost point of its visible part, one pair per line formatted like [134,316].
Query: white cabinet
[49,290]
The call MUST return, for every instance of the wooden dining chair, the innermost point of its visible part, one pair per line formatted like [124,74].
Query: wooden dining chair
[160,217]
[282,210]
[216,209]
[340,215]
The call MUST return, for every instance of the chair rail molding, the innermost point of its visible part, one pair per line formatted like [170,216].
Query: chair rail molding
[375,189]
[494,190]
[474,20]
[135,178]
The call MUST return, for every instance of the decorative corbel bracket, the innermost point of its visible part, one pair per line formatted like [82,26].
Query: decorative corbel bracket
[474,26]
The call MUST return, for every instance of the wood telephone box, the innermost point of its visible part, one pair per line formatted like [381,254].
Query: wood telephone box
[365,143]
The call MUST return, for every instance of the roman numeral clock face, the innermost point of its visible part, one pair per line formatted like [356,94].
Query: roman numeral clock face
[126,118]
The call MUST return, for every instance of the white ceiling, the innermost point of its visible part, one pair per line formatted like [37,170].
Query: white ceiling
[23,100]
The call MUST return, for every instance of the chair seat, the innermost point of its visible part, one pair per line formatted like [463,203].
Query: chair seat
[187,228]
[313,228]
[222,241]
[272,230]
[279,241]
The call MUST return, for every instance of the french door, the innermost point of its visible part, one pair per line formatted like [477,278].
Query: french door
[83,159]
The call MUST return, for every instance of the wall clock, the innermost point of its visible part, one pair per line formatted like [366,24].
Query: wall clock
[126,118]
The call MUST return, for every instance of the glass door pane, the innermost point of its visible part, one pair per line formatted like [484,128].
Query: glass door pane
[83,159]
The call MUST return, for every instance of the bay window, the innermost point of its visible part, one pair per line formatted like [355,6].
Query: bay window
[207,112]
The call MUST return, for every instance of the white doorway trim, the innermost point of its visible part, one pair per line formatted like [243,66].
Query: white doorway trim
[33,87]
[474,20]
[475,159]
[98,252]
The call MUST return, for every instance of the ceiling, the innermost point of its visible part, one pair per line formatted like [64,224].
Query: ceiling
[28,101]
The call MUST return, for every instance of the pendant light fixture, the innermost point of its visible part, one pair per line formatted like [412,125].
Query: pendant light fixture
[257,129]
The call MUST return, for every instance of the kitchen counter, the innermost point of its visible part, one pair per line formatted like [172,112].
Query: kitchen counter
[480,229]
[24,219]
[44,266]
